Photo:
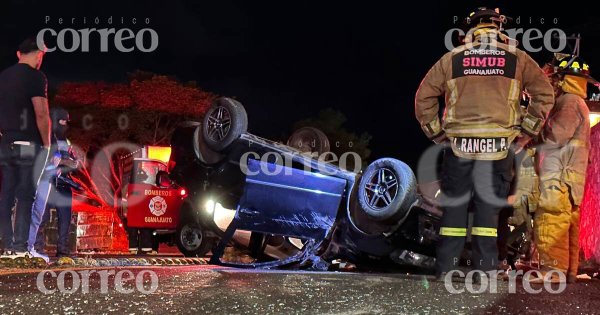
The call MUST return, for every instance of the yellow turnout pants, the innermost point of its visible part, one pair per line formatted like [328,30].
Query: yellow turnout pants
[556,228]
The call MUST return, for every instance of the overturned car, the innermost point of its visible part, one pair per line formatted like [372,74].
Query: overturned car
[290,208]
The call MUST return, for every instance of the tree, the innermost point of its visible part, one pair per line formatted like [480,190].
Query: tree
[144,111]
[331,122]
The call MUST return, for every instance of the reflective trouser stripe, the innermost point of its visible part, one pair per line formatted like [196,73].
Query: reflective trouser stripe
[567,176]
[451,231]
[484,231]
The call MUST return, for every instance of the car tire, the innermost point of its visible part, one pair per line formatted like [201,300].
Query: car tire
[192,240]
[224,123]
[203,152]
[387,189]
[309,139]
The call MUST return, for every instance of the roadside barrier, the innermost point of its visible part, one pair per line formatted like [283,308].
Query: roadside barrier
[26,262]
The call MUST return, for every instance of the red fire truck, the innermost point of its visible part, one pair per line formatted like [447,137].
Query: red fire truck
[149,199]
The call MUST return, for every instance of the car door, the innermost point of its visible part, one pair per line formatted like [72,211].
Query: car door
[286,201]
[150,205]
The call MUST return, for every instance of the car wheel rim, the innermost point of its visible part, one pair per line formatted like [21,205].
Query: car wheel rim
[191,237]
[219,123]
[381,189]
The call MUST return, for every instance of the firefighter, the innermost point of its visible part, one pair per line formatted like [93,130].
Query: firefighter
[563,158]
[524,200]
[514,244]
[482,81]
[522,203]
[141,241]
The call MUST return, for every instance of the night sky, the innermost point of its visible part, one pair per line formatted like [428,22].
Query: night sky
[286,60]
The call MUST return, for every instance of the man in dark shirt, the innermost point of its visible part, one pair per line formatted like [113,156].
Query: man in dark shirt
[25,127]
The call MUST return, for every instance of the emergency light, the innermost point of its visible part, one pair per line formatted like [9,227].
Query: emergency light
[162,154]
[594,106]
[594,119]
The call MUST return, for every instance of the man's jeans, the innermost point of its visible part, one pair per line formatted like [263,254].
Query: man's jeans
[39,204]
[61,199]
[19,182]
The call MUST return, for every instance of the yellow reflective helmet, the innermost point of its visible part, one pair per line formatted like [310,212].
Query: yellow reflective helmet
[571,65]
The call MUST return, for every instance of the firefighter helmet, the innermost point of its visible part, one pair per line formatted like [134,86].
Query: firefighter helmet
[570,64]
[483,16]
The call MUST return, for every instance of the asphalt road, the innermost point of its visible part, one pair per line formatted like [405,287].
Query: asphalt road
[216,290]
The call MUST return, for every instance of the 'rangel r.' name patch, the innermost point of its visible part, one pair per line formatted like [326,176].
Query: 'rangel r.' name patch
[480,145]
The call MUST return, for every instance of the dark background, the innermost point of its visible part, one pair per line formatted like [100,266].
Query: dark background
[287,60]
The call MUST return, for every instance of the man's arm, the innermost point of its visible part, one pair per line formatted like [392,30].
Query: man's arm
[542,97]
[542,100]
[427,103]
[42,118]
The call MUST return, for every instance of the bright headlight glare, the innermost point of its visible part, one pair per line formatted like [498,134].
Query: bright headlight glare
[209,206]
